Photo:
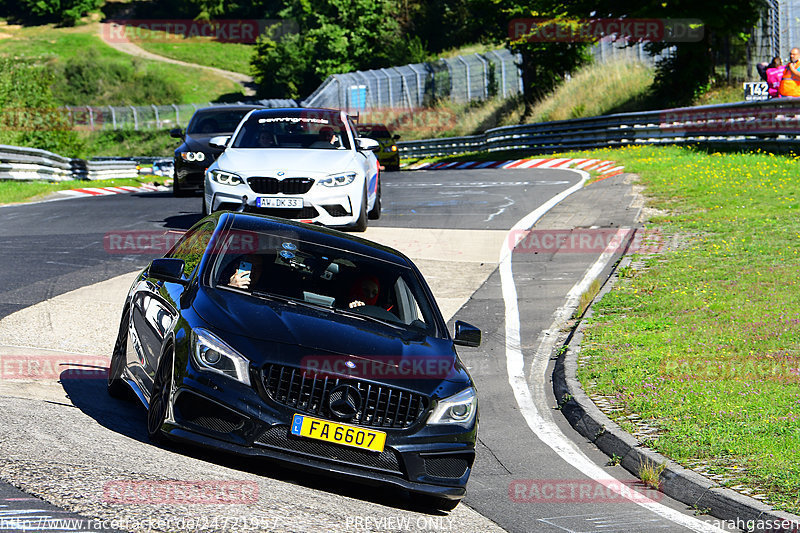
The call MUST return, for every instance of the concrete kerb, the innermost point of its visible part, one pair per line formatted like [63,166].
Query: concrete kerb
[677,482]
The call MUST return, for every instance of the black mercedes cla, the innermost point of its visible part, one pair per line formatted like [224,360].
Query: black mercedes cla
[264,337]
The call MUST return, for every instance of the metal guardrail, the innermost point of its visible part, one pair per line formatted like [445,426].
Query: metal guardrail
[27,164]
[772,124]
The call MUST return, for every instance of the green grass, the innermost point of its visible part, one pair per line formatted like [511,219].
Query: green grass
[57,45]
[25,191]
[703,342]
[123,143]
[201,50]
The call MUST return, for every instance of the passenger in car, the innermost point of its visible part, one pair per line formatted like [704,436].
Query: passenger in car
[364,291]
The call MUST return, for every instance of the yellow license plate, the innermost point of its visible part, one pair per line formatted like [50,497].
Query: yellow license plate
[314,428]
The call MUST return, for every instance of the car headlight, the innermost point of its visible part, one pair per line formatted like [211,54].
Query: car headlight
[457,409]
[393,148]
[225,178]
[213,355]
[338,180]
[193,156]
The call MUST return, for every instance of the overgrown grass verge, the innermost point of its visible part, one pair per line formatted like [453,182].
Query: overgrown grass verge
[703,343]
[12,192]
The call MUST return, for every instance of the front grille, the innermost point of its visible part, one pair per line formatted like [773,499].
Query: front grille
[285,186]
[451,466]
[278,437]
[336,210]
[381,406]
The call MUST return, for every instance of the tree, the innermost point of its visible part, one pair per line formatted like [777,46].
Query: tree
[687,71]
[334,36]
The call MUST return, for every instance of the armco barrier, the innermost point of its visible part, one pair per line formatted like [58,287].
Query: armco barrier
[20,163]
[770,125]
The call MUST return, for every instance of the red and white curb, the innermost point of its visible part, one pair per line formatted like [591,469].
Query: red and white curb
[105,191]
[605,168]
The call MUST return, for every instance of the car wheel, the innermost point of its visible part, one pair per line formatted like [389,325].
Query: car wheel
[159,399]
[375,212]
[116,385]
[361,223]
[176,189]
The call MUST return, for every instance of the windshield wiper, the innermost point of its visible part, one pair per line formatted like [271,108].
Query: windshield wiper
[369,318]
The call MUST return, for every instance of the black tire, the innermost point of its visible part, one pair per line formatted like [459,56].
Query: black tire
[116,386]
[159,399]
[177,191]
[375,212]
[361,223]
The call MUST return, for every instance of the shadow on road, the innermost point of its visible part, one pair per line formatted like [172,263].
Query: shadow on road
[87,392]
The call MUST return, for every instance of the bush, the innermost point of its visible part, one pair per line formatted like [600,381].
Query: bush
[105,81]
[29,114]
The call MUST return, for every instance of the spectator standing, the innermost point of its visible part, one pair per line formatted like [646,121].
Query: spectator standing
[790,81]
[774,74]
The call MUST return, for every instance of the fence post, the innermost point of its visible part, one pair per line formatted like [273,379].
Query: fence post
[389,84]
[177,116]
[485,75]
[466,65]
[419,86]
[155,110]
[91,118]
[135,119]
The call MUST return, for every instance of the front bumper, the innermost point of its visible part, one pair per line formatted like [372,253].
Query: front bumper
[335,206]
[220,413]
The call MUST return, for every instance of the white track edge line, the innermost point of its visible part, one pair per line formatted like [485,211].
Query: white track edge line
[546,430]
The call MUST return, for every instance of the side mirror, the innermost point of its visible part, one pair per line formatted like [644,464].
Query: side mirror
[221,141]
[176,132]
[167,269]
[467,335]
[395,137]
[365,143]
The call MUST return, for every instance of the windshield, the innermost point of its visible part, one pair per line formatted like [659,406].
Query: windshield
[326,278]
[216,121]
[374,131]
[318,130]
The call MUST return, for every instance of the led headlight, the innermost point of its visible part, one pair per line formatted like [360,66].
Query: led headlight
[213,355]
[225,178]
[457,409]
[338,180]
[193,156]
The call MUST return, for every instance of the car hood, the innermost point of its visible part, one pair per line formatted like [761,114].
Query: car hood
[289,160]
[296,335]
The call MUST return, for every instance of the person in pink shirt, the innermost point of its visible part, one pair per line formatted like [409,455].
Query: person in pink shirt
[774,74]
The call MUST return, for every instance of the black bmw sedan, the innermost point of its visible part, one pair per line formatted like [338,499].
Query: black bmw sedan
[264,337]
[195,155]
